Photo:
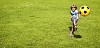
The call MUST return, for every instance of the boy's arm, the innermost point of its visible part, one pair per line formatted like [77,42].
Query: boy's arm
[71,14]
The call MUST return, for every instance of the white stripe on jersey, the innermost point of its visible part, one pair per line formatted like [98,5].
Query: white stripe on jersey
[74,13]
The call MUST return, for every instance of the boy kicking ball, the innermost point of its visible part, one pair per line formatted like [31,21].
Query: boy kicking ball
[74,18]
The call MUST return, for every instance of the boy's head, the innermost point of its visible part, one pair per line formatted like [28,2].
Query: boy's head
[73,7]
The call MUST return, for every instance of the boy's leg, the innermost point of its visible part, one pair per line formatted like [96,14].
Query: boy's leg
[72,30]
[76,24]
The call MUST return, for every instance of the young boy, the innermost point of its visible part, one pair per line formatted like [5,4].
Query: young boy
[74,17]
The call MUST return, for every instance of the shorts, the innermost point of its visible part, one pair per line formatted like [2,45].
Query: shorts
[72,19]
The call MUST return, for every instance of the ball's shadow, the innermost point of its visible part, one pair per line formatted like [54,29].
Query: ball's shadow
[76,36]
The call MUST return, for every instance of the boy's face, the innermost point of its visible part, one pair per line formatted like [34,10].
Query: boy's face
[73,8]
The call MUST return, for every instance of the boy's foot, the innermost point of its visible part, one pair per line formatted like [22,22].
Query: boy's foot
[71,34]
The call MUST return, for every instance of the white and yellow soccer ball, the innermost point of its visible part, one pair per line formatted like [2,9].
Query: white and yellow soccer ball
[84,10]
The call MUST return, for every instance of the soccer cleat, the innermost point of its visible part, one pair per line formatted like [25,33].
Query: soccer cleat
[71,34]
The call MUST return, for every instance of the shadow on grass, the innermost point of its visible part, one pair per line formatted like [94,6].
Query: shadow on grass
[70,28]
[77,36]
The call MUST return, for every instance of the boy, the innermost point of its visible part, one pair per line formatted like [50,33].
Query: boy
[74,18]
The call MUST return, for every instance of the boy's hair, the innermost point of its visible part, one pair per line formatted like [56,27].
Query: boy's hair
[73,6]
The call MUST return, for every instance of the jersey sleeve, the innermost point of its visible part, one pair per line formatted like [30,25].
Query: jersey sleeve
[76,11]
[71,13]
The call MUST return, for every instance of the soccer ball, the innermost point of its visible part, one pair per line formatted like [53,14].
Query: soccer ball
[84,10]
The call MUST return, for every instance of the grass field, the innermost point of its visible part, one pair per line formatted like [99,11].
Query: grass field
[44,24]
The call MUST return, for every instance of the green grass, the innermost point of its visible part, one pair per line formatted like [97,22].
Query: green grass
[44,24]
